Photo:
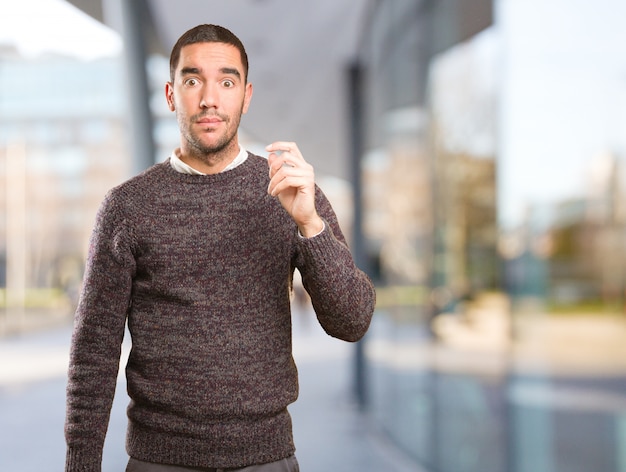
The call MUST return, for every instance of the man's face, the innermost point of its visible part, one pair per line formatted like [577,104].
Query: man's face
[209,95]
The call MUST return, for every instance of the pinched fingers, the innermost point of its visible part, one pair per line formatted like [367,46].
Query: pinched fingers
[292,181]
[284,146]
[283,153]
[287,168]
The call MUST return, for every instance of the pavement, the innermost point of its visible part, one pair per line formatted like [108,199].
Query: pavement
[331,433]
[569,367]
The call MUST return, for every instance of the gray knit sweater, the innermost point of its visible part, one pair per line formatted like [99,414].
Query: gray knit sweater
[200,267]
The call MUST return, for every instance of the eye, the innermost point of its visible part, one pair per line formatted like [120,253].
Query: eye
[228,83]
[191,82]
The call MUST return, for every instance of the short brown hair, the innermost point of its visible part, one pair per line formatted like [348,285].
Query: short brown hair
[207,34]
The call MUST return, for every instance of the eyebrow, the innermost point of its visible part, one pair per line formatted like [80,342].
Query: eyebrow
[223,70]
[230,71]
[189,70]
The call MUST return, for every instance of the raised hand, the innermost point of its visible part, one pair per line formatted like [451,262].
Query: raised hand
[292,181]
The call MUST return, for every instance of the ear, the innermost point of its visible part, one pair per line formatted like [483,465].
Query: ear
[169,96]
[247,97]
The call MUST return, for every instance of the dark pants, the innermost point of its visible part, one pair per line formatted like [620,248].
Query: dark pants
[286,465]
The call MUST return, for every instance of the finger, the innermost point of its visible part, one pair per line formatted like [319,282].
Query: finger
[285,146]
[287,150]
[289,176]
[282,183]
[277,184]
[276,162]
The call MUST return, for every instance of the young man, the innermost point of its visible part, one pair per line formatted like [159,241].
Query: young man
[197,255]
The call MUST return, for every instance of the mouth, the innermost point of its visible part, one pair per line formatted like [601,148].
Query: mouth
[209,120]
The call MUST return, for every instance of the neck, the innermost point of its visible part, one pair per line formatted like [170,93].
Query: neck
[210,163]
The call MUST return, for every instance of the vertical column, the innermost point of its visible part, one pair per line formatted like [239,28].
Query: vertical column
[16,252]
[356,114]
[127,17]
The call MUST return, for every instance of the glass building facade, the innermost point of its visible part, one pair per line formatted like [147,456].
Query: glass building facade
[62,146]
[494,189]
[494,220]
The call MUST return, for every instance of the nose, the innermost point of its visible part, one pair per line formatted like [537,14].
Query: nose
[209,97]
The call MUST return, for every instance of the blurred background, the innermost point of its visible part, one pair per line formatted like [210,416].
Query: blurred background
[474,151]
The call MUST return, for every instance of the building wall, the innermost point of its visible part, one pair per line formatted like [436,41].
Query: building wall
[493,201]
[62,146]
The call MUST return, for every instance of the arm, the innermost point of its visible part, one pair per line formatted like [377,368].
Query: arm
[96,340]
[342,295]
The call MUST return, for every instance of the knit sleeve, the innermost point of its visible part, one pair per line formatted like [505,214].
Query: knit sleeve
[97,336]
[342,295]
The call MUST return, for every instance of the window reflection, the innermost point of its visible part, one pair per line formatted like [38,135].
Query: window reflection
[500,338]
[62,147]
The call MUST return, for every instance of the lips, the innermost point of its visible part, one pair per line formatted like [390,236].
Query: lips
[209,121]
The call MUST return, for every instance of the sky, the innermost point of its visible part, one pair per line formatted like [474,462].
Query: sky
[36,27]
[563,98]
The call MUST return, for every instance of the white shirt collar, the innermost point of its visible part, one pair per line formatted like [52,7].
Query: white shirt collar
[179,166]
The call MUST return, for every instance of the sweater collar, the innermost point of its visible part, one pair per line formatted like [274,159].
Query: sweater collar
[179,166]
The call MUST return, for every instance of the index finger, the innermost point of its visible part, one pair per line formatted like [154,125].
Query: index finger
[282,146]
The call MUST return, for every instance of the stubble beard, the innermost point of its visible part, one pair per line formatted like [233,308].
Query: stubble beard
[210,154]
